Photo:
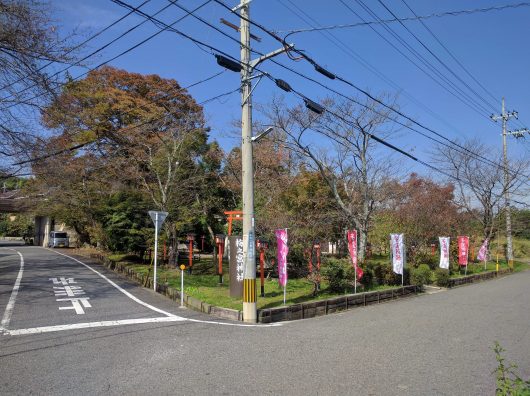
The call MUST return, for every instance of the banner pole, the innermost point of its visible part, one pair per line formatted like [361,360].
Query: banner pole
[284,294]
[156,251]
[355,277]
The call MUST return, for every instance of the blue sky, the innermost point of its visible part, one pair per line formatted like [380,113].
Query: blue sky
[493,47]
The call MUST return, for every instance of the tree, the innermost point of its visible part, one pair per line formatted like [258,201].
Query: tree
[480,186]
[339,145]
[29,42]
[142,131]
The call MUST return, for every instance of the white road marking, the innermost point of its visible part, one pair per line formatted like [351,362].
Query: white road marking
[88,325]
[11,304]
[117,287]
[76,304]
[77,326]
[109,323]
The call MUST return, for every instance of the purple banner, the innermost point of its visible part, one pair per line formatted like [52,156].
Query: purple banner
[283,249]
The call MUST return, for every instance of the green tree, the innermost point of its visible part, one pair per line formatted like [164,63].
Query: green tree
[126,130]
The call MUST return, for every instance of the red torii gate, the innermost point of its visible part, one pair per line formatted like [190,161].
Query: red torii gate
[232,215]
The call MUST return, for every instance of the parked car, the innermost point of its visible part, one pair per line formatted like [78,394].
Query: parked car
[58,239]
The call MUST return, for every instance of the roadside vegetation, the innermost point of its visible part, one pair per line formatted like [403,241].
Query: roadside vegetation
[336,279]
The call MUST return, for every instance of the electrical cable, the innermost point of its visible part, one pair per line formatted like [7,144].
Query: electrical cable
[415,18]
[78,62]
[451,88]
[331,37]
[92,37]
[438,58]
[125,51]
[364,92]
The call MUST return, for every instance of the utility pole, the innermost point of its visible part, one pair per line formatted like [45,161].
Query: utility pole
[249,238]
[505,116]
[247,177]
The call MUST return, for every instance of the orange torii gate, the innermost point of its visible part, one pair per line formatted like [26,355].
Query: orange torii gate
[232,215]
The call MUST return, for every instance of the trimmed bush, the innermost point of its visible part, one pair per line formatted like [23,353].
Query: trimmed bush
[441,277]
[421,276]
[338,274]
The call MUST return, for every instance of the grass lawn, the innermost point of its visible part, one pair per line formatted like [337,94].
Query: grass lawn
[204,285]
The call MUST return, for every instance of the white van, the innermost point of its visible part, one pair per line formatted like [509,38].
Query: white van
[58,239]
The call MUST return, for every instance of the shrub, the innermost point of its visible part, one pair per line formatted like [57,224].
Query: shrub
[368,278]
[441,276]
[423,256]
[421,276]
[338,274]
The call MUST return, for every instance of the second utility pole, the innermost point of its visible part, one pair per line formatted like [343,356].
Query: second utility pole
[505,116]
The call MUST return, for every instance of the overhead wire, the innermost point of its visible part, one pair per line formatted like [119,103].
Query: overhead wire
[135,9]
[434,73]
[444,64]
[78,62]
[92,37]
[406,19]
[268,75]
[352,54]
[357,88]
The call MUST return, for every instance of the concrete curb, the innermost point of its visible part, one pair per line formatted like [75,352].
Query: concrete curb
[295,311]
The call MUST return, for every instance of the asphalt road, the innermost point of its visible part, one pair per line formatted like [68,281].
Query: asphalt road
[437,344]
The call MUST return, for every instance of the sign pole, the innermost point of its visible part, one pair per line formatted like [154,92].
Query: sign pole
[156,250]
[158,218]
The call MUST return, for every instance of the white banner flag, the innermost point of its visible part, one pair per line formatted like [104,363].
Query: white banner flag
[398,253]
[444,252]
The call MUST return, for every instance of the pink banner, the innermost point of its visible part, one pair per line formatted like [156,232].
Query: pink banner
[463,250]
[283,249]
[483,252]
[352,247]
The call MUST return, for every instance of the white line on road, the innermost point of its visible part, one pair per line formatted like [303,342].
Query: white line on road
[11,304]
[109,323]
[76,326]
[119,288]
[88,325]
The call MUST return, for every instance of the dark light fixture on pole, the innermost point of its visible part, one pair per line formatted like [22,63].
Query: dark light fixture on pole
[228,63]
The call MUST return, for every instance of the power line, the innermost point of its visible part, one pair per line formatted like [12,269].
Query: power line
[415,18]
[78,46]
[483,159]
[83,59]
[451,54]
[357,88]
[438,58]
[354,55]
[445,82]
[135,9]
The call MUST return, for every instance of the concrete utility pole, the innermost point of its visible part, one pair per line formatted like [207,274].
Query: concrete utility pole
[247,177]
[249,238]
[505,116]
